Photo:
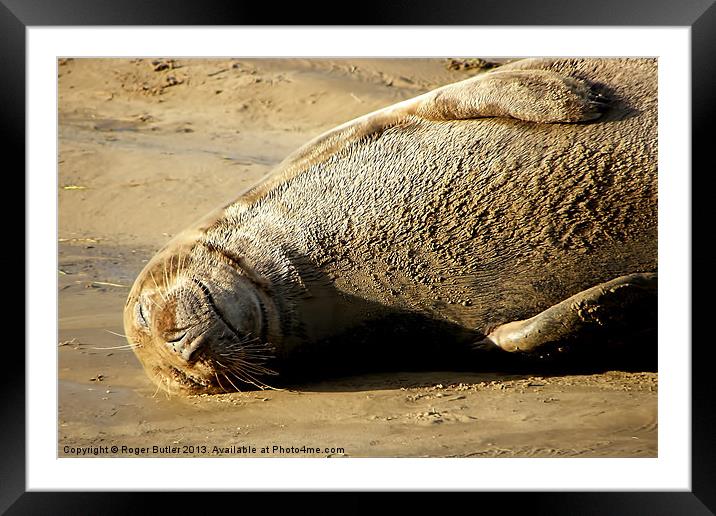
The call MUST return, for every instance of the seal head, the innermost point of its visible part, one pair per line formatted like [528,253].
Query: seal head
[198,323]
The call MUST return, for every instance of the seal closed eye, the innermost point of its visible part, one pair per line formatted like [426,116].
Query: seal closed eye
[509,212]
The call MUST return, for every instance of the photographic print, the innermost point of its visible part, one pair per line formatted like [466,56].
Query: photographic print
[334,257]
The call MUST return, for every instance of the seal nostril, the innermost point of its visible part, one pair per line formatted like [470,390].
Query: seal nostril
[190,350]
[175,339]
[179,343]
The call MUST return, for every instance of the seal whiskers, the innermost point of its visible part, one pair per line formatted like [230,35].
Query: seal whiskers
[219,381]
[126,347]
[164,272]
[156,286]
[232,383]
[159,382]
[226,377]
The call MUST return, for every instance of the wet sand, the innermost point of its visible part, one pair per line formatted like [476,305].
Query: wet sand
[147,147]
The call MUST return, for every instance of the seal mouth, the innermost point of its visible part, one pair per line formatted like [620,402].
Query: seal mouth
[189,382]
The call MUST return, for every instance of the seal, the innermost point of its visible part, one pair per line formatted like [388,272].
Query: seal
[510,213]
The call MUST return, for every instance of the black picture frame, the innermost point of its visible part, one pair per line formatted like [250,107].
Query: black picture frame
[699,15]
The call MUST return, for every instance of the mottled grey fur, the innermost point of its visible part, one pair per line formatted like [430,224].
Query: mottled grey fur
[425,211]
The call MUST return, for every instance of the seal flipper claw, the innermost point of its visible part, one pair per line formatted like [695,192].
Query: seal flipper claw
[624,306]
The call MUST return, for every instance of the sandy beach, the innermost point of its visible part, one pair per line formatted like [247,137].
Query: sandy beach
[148,146]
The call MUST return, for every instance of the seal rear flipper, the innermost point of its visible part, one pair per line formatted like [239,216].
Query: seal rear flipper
[620,309]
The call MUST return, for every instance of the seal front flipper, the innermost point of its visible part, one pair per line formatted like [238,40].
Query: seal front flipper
[619,309]
[530,95]
[541,96]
